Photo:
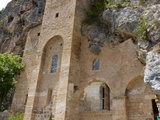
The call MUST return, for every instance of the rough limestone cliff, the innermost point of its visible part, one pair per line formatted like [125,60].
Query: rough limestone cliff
[138,20]
[15,21]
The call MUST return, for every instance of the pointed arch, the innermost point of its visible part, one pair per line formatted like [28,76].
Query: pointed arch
[48,82]
[51,41]
[138,99]
[105,97]
[95,97]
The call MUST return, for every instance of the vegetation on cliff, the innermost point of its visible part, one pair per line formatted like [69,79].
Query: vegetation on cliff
[94,11]
[16,20]
[10,66]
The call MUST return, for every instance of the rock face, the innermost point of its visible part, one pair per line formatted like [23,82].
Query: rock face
[16,20]
[152,71]
[117,25]
[153,14]
[4,115]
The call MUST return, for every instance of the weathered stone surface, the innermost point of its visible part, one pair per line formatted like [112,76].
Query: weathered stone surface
[16,20]
[97,36]
[4,115]
[152,71]
[152,13]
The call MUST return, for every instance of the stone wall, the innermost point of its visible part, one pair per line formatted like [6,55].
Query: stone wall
[119,65]
[95,115]
[55,24]
[139,101]
[30,62]
[4,115]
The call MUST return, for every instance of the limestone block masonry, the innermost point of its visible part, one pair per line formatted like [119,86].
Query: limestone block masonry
[75,91]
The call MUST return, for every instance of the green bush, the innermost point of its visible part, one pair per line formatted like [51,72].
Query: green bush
[18,116]
[109,2]
[126,1]
[95,10]
[144,26]
[98,6]
[142,1]
[141,31]
[50,117]
[18,0]
[116,4]
[10,66]
[4,19]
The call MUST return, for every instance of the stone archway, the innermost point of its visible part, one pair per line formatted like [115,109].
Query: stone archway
[94,102]
[139,100]
[94,97]
[48,80]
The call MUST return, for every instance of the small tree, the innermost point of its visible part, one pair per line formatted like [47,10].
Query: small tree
[50,117]
[10,66]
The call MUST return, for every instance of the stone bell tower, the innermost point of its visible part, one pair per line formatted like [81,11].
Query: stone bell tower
[52,69]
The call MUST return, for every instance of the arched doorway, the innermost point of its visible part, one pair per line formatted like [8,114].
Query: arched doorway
[139,100]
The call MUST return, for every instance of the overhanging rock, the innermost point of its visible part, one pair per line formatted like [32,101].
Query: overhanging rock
[152,70]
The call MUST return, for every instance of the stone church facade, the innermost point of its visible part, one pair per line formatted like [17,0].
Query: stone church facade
[63,77]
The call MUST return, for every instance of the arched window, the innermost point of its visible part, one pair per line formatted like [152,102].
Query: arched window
[96,64]
[54,64]
[105,97]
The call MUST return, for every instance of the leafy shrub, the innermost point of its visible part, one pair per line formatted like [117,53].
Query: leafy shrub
[98,6]
[141,31]
[118,5]
[4,19]
[126,1]
[18,116]
[18,0]
[50,117]
[144,26]
[94,11]
[10,66]
[142,1]
[110,2]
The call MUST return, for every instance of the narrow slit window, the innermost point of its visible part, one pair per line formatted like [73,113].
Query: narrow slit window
[38,34]
[54,64]
[96,64]
[57,15]
[26,97]
[105,97]
[49,96]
